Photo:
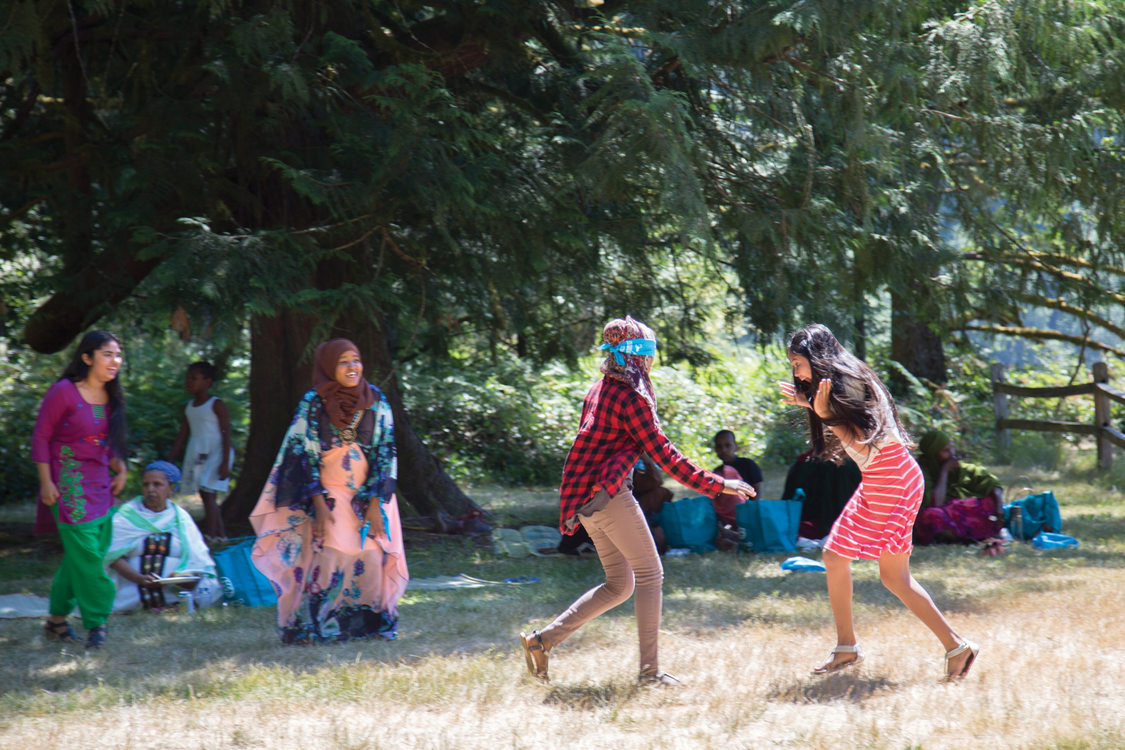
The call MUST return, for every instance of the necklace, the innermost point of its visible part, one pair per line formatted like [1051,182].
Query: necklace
[347,434]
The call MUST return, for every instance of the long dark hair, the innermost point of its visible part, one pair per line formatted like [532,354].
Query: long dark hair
[77,370]
[857,395]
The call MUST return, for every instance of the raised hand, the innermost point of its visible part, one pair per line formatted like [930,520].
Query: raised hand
[791,396]
[820,405]
[820,400]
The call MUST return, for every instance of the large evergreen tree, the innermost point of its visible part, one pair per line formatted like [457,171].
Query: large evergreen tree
[409,174]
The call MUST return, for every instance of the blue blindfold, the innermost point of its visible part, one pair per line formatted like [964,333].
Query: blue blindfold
[643,347]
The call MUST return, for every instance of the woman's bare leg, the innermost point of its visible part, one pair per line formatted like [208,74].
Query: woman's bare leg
[839,574]
[894,571]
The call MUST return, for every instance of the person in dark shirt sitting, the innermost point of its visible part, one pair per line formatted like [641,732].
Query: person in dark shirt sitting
[726,448]
[733,466]
[651,494]
[827,487]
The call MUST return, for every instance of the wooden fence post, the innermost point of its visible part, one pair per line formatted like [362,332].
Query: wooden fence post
[1101,417]
[1000,408]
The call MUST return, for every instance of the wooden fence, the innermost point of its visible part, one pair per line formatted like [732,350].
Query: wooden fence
[1107,435]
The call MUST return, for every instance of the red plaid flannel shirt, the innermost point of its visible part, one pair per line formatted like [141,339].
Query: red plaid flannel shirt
[617,426]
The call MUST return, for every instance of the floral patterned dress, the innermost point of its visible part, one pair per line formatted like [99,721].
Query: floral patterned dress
[349,585]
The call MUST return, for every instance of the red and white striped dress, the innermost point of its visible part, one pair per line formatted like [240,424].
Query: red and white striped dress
[879,517]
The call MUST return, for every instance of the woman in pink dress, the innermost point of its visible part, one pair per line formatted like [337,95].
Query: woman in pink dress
[329,536]
[844,395]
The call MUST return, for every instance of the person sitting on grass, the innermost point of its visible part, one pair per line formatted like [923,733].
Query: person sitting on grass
[962,503]
[155,540]
[733,466]
[827,487]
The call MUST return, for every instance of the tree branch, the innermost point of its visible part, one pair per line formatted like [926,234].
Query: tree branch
[12,216]
[1044,334]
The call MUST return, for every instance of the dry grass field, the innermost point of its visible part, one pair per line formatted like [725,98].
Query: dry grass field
[739,632]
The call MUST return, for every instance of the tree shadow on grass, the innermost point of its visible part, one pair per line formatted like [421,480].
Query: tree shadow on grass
[590,697]
[597,696]
[848,686]
[798,602]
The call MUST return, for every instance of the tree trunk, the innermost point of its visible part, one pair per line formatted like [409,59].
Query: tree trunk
[280,372]
[915,343]
[421,479]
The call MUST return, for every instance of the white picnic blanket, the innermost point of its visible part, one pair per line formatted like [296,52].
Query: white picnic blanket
[13,606]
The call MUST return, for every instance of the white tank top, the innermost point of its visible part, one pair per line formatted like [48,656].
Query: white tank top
[205,434]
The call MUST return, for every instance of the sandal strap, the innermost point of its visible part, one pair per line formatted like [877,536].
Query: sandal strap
[853,649]
[955,652]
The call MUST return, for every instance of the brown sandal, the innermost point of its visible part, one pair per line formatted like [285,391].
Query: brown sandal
[535,654]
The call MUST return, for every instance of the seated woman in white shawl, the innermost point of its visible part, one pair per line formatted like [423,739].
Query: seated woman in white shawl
[155,540]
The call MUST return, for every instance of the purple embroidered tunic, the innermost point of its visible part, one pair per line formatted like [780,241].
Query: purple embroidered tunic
[72,437]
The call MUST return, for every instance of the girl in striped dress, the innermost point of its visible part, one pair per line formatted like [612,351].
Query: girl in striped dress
[844,395]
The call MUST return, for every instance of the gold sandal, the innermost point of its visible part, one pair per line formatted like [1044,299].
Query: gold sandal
[535,654]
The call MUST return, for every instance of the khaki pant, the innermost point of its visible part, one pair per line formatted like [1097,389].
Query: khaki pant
[628,555]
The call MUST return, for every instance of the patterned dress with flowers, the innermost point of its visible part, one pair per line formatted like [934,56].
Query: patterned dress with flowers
[349,585]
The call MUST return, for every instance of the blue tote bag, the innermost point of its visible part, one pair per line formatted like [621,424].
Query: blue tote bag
[689,522]
[771,525]
[1040,513]
[241,580]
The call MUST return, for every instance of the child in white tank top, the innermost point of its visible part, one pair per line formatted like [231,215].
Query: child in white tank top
[205,426]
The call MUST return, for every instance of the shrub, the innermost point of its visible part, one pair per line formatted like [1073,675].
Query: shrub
[511,423]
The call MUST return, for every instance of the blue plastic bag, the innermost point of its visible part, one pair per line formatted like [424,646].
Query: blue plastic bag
[771,525]
[1046,540]
[1040,513]
[690,522]
[241,580]
[802,563]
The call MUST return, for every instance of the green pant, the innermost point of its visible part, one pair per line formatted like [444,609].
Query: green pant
[81,579]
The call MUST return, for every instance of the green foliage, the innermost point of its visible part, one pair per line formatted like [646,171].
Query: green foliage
[513,423]
[504,423]
[1038,450]
[24,378]
[496,179]
[962,407]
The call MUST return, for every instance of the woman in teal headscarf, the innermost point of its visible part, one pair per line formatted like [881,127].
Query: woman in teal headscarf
[963,502]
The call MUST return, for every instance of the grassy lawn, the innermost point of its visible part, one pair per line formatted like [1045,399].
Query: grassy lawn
[740,633]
